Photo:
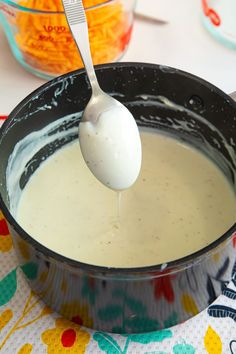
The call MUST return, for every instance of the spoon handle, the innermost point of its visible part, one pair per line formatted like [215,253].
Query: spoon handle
[76,18]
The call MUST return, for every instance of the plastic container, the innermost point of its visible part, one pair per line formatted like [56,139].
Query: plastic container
[219,19]
[41,41]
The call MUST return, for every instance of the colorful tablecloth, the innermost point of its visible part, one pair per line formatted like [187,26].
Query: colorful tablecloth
[28,326]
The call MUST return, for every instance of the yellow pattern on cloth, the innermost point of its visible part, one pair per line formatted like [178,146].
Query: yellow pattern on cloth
[212,342]
[5,317]
[25,349]
[66,337]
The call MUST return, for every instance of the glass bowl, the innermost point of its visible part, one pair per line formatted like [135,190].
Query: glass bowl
[41,41]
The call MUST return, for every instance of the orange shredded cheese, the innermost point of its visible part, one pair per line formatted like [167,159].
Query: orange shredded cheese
[46,42]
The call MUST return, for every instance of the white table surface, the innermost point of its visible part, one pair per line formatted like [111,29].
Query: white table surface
[183,43]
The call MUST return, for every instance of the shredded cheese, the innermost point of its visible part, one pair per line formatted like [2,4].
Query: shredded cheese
[46,42]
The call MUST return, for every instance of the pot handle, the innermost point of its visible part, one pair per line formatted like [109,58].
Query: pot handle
[233,95]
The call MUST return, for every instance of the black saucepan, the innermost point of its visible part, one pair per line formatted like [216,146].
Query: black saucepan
[137,299]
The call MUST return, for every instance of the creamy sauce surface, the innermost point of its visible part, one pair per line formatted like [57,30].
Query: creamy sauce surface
[180,203]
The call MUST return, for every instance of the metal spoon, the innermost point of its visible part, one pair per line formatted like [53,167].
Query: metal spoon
[114,151]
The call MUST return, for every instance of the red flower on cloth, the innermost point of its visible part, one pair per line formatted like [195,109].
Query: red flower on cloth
[5,237]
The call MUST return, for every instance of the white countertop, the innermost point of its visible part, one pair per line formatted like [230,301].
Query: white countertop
[183,43]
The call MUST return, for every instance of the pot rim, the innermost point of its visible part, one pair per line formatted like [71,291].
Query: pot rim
[158,269]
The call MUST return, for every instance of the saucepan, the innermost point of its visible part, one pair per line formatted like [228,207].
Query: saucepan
[128,300]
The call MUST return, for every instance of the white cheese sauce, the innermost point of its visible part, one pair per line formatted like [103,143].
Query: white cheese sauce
[180,203]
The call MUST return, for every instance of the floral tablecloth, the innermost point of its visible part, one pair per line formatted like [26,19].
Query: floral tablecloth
[28,326]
